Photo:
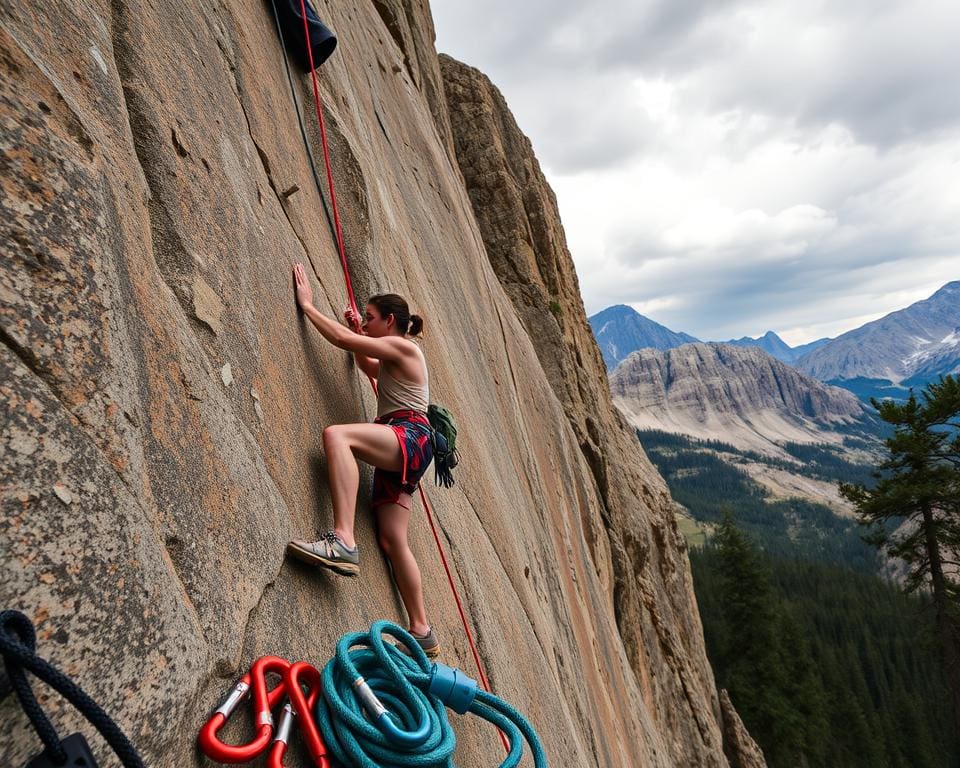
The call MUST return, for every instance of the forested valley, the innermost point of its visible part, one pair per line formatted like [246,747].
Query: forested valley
[826,659]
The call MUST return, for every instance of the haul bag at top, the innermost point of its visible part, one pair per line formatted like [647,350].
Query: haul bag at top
[322,39]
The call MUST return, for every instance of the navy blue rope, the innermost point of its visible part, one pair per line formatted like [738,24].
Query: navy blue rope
[18,641]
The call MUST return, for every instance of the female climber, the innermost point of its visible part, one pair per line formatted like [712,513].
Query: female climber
[398,444]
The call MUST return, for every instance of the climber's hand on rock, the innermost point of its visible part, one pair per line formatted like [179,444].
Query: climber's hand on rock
[304,291]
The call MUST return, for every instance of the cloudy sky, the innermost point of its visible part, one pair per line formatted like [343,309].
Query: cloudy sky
[732,167]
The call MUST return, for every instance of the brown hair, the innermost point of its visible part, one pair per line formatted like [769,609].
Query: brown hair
[392,304]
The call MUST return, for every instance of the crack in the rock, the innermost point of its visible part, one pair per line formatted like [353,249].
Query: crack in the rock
[122,57]
[31,362]
[264,158]
[265,164]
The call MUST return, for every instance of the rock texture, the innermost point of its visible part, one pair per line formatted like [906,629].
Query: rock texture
[620,330]
[639,541]
[740,395]
[164,402]
[743,750]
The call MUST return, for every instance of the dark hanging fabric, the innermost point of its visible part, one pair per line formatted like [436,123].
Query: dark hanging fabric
[322,39]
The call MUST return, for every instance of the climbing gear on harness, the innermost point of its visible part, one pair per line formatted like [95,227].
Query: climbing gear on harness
[18,642]
[382,707]
[328,551]
[264,701]
[334,222]
[445,455]
[300,19]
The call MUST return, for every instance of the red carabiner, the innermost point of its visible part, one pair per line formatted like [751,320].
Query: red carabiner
[263,701]
[302,706]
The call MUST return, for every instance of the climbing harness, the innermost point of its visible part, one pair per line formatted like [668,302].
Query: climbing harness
[338,235]
[18,642]
[384,707]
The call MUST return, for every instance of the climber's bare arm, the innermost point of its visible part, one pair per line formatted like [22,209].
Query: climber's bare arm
[391,348]
[369,365]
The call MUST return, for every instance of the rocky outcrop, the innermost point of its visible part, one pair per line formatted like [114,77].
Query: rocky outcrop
[740,395]
[743,750]
[524,240]
[164,402]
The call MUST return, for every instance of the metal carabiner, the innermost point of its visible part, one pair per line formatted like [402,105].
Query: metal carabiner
[263,702]
[282,738]
[302,707]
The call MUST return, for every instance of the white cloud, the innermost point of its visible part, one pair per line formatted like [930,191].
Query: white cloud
[734,166]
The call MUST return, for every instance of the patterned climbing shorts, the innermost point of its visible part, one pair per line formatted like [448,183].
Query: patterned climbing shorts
[413,433]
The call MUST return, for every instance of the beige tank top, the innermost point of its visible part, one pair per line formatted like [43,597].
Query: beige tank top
[394,394]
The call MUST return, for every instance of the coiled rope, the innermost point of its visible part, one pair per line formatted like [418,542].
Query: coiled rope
[382,708]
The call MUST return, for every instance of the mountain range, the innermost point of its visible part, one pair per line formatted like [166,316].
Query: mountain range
[776,347]
[909,347]
[620,330]
[903,349]
[738,395]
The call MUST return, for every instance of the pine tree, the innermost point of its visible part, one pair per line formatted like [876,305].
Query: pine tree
[913,511]
[773,696]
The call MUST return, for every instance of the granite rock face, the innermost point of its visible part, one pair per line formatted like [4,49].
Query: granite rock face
[163,402]
[743,750]
[740,395]
[648,573]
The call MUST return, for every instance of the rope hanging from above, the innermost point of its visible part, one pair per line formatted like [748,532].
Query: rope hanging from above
[338,234]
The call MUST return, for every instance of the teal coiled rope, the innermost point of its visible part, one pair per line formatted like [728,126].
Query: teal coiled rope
[411,729]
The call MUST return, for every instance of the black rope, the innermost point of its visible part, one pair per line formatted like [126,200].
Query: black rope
[18,641]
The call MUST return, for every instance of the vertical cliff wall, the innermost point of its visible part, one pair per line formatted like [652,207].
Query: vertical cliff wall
[163,402]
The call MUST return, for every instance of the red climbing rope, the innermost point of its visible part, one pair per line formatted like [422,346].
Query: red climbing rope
[353,306]
[326,158]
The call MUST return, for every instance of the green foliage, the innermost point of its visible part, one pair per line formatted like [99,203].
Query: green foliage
[555,308]
[760,656]
[918,486]
[707,485]
[818,461]
[913,511]
[826,462]
[826,666]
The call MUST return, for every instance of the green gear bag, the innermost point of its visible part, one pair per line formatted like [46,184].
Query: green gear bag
[445,455]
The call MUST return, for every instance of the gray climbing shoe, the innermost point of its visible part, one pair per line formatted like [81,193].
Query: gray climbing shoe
[429,644]
[329,552]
